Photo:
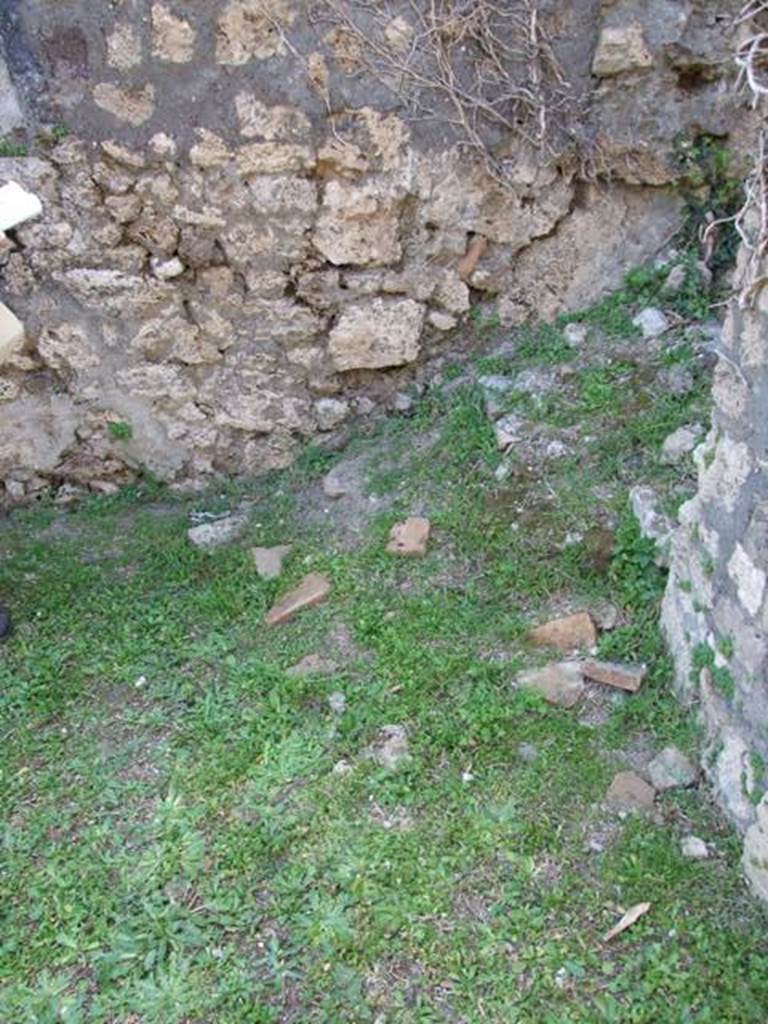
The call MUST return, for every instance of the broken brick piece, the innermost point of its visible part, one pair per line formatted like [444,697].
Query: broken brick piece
[612,673]
[410,537]
[566,634]
[313,589]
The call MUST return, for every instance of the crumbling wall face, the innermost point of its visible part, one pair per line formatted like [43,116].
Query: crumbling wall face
[715,611]
[249,239]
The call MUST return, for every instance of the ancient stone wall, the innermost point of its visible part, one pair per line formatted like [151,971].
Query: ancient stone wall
[254,232]
[716,606]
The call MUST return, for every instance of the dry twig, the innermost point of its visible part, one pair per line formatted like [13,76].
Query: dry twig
[484,68]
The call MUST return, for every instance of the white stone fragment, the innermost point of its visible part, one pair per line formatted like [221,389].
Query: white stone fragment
[166,270]
[651,322]
[694,848]
[17,205]
[11,333]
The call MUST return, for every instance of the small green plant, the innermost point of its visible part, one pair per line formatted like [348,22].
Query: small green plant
[11,149]
[757,762]
[704,657]
[725,646]
[119,430]
[639,581]
[485,320]
[711,191]
[543,343]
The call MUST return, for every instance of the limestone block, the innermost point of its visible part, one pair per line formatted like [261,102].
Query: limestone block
[274,158]
[123,47]
[248,393]
[330,412]
[377,334]
[358,224]
[173,39]
[155,381]
[132,106]
[282,320]
[277,123]
[210,150]
[35,432]
[122,155]
[67,347]
[250,29]
[732,773]
[621,48]
[155,232]
[11,333]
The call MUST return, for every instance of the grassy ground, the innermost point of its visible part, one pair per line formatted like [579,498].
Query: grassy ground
[177,846]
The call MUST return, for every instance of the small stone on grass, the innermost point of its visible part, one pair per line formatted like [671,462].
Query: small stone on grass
[337,703]
[527,752]
[693,847]
[409,537]
[269,561]
[576,334]
[390,748]
[671,769]
[628,792]
[507,431]
[312,665]
[220,531]
[558,683]
[651,322]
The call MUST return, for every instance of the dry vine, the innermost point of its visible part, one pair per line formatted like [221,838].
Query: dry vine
[751,221]
[483,67]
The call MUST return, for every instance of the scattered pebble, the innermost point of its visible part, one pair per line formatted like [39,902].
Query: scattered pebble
[390,748]
[675,278]
[527,752]
[312,665]
[337,703]
[269,561]
[693,847]
[508,430]
[628,792]
[651,322]
[576,334]
[216,533]
[559,683]
[671,769]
